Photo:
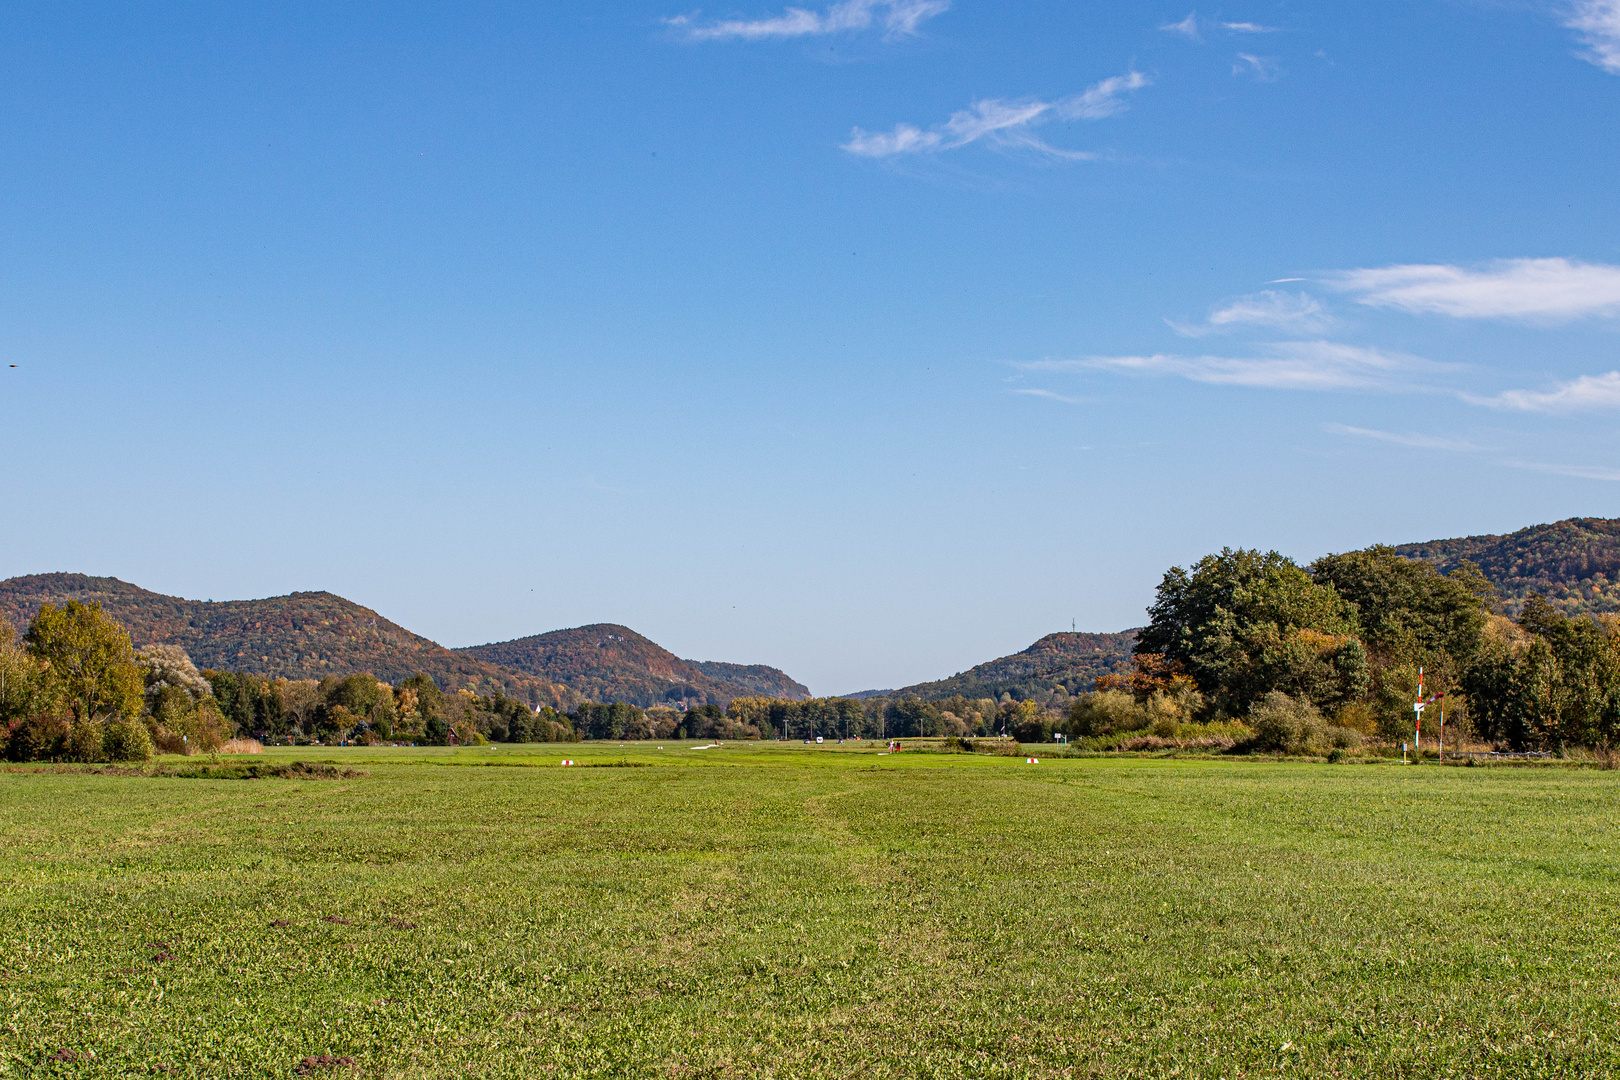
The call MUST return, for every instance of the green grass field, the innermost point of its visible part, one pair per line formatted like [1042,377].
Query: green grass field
[783,911]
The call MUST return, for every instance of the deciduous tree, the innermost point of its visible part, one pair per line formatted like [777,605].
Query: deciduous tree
[91,661]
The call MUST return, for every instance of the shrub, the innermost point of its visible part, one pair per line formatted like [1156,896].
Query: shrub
[1293,725]
[205,728]
[1343,738]
[37,738]
[467,734]
[1283,724]
[84,741]
[1359,717]
[124,740]
[1149,742]
[1105,712]
[1003,747]
[1033,729]
[166,741]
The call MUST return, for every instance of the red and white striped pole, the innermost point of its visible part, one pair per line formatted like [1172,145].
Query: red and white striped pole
[1417,719]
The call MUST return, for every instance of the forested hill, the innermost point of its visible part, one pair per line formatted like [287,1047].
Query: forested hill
[1070,661]
[606,662]
[1574,563]
[757,679]
[300,636]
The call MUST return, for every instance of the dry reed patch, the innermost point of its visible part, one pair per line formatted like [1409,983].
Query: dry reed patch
[242,746]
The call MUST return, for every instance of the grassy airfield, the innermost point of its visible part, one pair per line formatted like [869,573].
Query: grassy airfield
[789,911]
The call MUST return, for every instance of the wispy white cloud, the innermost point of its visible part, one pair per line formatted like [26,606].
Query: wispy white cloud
[1535,290]
[1295,312]
[1413,439]
[1287,365]
[1588,393]
[904,139]
[1192,27]
[1105,98]
[1597,24]
[1259,68]
[897,18]
[1187,28]
[1002,122]
[1052,395]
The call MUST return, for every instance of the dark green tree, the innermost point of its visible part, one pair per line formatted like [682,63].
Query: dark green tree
[1243,623]
[430,703]
[1556,684]
[1407,610]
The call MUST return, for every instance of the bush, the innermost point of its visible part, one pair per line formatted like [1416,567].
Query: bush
[1106,712]
[1283,724]
[1343,738]
[126,741]
[1003,747]
[1359,717]
[1295,726]
[467,734]
[205,728]
[37,738]
[166,741]
[84,741]
[1033,729]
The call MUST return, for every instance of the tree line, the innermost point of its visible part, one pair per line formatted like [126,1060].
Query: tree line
[1273,654]
[1251,650]
[1302,653]
[73,688]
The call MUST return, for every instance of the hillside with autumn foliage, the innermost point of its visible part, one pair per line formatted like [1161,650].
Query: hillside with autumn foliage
[307,635]
[1574,563]
[608,662]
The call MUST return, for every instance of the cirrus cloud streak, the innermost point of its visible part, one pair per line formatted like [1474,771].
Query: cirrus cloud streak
[1287,365]
[1597,24]
[898,18]
[1530,290]
[1299,312]
[1412,439]
[1002,122]
[1586,393]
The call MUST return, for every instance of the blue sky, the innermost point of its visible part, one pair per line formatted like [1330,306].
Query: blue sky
[870,340]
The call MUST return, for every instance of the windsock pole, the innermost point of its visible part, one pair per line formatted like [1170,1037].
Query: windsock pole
[1417,720]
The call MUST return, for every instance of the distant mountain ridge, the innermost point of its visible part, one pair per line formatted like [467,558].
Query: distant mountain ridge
[757,679]
[307,635]
[608,662]
[1072,661]
[310,635]
[1574,563]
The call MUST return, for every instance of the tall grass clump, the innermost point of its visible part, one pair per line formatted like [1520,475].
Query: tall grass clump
[242,746]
